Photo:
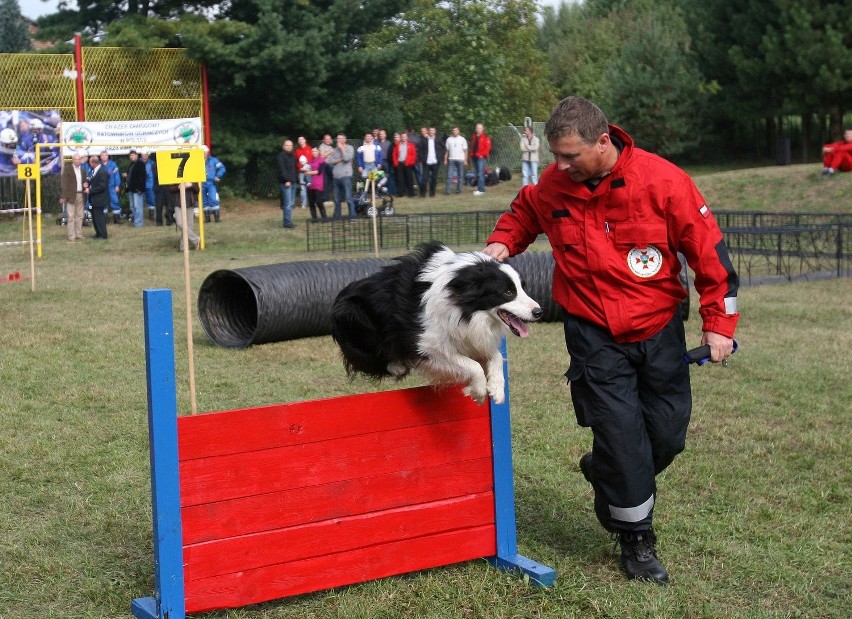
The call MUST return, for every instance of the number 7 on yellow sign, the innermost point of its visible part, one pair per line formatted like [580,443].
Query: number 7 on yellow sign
[180,166]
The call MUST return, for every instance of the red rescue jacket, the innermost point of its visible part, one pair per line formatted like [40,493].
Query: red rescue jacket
[616,245]
[483,146]
[410,154]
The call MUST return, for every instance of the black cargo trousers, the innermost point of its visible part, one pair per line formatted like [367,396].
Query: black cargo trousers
[636,398]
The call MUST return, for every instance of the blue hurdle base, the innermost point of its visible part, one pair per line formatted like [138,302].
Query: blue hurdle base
[539,575]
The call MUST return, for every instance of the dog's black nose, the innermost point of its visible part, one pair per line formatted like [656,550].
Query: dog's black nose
[537,313]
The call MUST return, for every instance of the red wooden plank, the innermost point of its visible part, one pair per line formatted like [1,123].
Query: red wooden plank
[337,535]
[294,423]
[207,480]
[289,508]
[276,581]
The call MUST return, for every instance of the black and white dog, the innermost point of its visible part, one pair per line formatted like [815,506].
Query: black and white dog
[435,311]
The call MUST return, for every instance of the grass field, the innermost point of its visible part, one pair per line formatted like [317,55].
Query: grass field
[753,518]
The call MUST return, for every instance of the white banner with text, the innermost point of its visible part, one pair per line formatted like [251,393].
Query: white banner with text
[119,136]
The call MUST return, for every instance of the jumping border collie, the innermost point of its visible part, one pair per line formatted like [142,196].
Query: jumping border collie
[435,311]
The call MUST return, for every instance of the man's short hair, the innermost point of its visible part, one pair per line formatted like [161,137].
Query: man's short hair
[576,115]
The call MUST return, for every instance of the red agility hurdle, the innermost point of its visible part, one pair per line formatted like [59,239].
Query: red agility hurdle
[261,503]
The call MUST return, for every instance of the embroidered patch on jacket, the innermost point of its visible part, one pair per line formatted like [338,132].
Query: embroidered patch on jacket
[704,210]
[645,261]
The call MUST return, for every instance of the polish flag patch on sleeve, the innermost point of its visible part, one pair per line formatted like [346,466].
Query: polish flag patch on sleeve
[704,211]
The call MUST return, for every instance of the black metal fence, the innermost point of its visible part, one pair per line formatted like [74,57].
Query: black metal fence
[402,231]
[764,246]
[762,219]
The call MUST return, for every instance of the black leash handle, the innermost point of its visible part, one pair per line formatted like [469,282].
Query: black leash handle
[701,355]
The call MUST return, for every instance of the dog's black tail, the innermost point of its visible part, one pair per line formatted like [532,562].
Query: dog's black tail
[356,332]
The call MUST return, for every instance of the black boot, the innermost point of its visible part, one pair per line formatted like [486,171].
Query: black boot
[216,215]
[585,466]
[639,557]
[116,219]
[207,217]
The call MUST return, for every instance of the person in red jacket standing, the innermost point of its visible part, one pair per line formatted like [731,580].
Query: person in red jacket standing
[480,149]
[404,159]
[616,217]
[303,150]
[837,156]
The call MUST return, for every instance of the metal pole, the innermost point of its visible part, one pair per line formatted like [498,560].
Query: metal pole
[205,106]
[78,67]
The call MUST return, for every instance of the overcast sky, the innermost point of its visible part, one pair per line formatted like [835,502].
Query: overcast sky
[37,8]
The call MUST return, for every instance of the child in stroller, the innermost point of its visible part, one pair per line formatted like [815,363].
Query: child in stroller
[363,197]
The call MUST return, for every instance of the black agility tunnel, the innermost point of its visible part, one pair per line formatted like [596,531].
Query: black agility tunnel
[292,300]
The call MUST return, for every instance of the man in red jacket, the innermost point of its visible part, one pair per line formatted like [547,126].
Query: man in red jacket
[616,217]
[837,156]
[404,159]
[480,149]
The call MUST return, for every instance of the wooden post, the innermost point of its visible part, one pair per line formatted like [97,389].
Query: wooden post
[188,295]
[372,182]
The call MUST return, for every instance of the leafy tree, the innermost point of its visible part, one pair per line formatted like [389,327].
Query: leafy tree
[466,61]
[580,42]
[810,49]
[645,77]
[653,86]
[13,28]
[773,58]
[278,67]
[275,67]
[90,17]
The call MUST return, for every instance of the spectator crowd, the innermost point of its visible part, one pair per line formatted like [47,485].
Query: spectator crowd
[92,186]
[404,164]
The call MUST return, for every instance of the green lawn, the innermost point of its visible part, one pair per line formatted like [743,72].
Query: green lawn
[753,518]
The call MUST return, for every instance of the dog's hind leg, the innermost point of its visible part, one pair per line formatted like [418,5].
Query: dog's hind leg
[397,369]
[495,381]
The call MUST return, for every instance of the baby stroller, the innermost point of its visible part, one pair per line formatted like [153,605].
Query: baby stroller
[363,197]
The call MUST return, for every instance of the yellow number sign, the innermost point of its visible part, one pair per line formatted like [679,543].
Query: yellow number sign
[27,172]
[180,166]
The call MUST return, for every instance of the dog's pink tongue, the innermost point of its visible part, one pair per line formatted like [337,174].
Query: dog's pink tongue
[520,327]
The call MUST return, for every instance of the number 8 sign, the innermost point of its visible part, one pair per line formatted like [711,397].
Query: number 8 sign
[28,171]
[180,166]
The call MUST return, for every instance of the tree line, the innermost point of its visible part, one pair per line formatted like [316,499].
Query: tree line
[691,79]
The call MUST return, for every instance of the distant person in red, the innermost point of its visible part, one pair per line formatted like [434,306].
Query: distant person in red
[837,156]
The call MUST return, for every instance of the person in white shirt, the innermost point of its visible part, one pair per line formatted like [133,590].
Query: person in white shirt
[454,158]
[369,156]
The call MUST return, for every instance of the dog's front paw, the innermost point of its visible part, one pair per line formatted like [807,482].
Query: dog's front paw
[497,390]
[497,396]
[477,394]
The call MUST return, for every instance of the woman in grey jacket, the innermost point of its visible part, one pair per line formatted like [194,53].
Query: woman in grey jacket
[529,157]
